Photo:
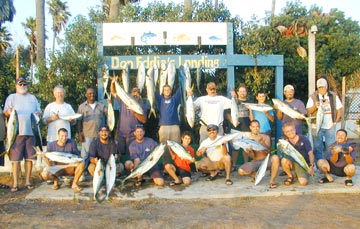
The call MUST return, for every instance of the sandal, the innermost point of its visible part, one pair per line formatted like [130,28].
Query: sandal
[228,182]
[272,185]
[77,189]
[4,186]
[325,180]
[138,183]
[56,187]
[29,187]
[173,183]
[14,189]
[289,181]
[348,182]
[211,178]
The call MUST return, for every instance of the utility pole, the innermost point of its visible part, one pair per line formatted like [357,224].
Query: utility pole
[312,59]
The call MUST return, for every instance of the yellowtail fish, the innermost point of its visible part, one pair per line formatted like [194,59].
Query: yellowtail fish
[286,148]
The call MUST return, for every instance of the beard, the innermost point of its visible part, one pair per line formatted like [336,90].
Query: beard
[22,90]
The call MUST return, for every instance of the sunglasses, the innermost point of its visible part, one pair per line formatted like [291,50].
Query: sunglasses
[22,84]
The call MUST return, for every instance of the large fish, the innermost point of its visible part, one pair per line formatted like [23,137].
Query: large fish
[319,119]
[199,76]
[98,180]
[171,72]
[105,78]
[163,76]
[156,73]
[190,111]
[234,112]
[258,107]
[110,117]
[150,92]
[246,144]
[147,164]
[61,157]
[289,111]
[69,117]
[12,130]
[125,78]
[36,130]
[129,101]
[179,150]
[262,170]
[286,148]
[223,139]
[187,77]
[140,80]
[110,174]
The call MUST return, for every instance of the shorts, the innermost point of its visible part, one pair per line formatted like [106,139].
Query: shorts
[166,132]
[338,171]
[253,166]
[155,172]
[23,148]
[211,165]
[299,171]
[182,172]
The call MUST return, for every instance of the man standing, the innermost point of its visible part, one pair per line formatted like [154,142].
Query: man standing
[243,120]
[128,118]
[329,104]
[55,169]
[169,119]
[25,104]
[303,146]
[295,104]
[93,116]
[264,117]
[214,158]
[250,168]
[139,150]
[55,110]
[212,108]
[339,160]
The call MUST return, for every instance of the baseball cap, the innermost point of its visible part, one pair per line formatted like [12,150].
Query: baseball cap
[289,87]
[212,126]
[321,83]
[104,126]
[141,126]
[21,80]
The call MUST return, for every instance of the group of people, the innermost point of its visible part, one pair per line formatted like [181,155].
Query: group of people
[130,140]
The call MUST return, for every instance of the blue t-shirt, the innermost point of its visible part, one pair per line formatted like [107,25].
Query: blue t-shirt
[102,151]
[168,108]
[141,150]
[69,147]
[263,120]
[303,146]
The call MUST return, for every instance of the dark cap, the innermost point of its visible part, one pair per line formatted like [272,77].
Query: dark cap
[21,80]
[135,89]
[141,126]
[104,126]
[212,126]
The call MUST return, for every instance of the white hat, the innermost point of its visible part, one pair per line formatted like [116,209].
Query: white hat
[289,87]
[321,83]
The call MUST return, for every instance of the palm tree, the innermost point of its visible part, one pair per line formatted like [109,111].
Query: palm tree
[30,32]
[5,38]
[7,10]
[60,15]
[40,29]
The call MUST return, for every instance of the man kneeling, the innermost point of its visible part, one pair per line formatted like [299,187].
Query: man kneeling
[56,169]
[339,160]
[214,158]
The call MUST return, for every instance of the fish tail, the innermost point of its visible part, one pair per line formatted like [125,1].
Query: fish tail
[152,111]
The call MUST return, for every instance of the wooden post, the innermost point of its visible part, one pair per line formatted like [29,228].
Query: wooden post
[17,62]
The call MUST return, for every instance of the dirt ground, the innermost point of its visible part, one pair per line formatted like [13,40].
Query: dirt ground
[319,211]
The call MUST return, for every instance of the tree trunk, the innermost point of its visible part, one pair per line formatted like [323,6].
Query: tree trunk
[40,29]
[114,10]
[188,9]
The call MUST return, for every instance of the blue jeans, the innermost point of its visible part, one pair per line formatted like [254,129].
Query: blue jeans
[329,135]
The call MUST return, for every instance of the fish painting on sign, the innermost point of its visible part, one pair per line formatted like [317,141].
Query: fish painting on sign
[214,38]
[147,36]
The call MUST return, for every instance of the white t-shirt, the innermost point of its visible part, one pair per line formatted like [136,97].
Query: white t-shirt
[212,108]
[325,105]
[62,110]
[214,153]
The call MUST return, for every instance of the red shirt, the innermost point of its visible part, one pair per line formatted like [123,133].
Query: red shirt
[181,163]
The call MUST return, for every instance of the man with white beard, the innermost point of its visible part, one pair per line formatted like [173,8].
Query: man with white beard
[25,104]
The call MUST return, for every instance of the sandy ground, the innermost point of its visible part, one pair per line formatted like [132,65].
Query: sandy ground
[302,211]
